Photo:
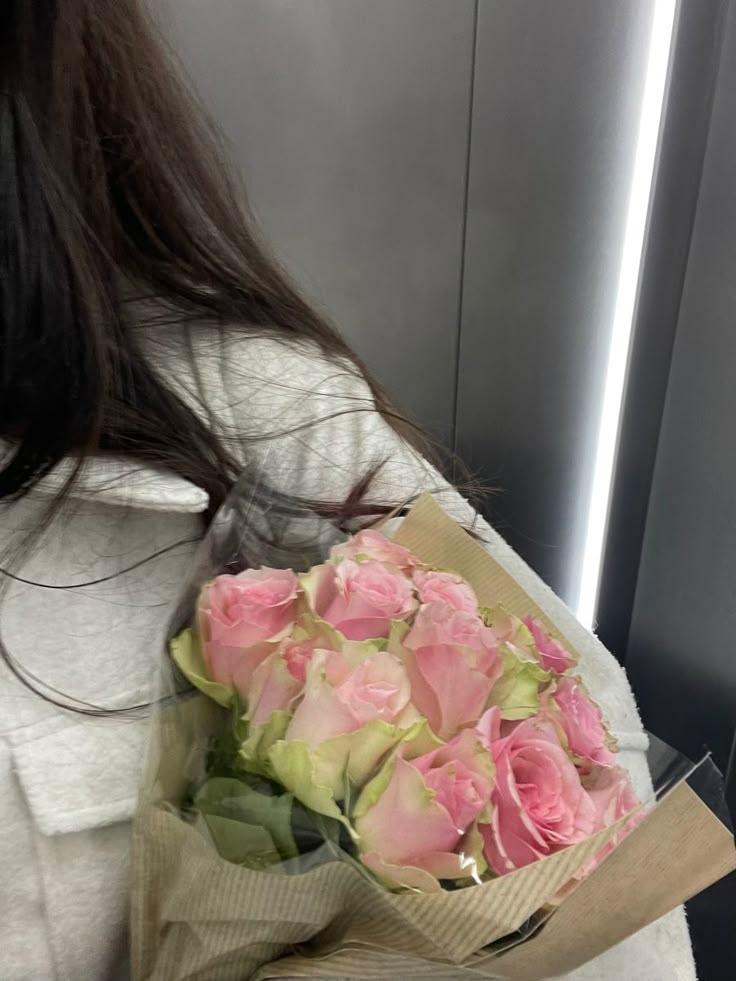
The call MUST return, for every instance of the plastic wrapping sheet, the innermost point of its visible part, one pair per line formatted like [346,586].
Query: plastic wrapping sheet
[236,879]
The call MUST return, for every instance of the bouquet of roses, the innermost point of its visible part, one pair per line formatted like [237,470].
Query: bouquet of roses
[426,774]
[451,742]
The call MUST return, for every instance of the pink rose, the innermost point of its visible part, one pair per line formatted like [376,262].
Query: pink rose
[613,797]
[552,654]
[240,615]
[278,681]
[539,803]
[354,710]
[612,794]
[445,587]
[581,721]
[413,819]
[298,655]
[370,544]
[360,599]
[453,661]
[343,693]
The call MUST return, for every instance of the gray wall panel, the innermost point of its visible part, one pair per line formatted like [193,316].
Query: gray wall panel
[349,120]
[681,648]
[680,653]
[556,103]
[695,63]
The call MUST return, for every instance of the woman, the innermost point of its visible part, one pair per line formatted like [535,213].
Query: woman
[150,350]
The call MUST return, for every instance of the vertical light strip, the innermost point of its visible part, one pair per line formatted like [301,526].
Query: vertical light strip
[660,43]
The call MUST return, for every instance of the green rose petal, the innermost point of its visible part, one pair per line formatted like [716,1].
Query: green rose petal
[516,693]
[373,791]
[254,753]
[398,631]
[294,768]
[186,649]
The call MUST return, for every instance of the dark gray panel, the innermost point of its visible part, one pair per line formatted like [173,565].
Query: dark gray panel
[694,72]
[350,122]
[681,650]
[556,103]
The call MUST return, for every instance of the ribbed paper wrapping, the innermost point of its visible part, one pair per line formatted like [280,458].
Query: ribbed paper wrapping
[220,921]
[197,917]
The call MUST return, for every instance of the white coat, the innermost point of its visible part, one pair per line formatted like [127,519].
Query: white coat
[68,783]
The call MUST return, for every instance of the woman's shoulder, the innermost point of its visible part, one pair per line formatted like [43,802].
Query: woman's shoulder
[283,378]
[254,380]
[309,419]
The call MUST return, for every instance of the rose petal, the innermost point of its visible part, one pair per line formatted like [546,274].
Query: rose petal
[552,654]
[581,721]
[405,820]
[371,544]
[461,691]
[401,875]
[273,688]
[446,587]
[539,802]
[321,714]
[360,599]
[234,666]
[252,607]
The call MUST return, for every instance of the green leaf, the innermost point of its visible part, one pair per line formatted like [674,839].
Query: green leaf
[312,830]
[223,756]
[186,649]
[241,843]
[236,801]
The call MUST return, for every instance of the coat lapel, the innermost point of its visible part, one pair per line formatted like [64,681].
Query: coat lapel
[123,482]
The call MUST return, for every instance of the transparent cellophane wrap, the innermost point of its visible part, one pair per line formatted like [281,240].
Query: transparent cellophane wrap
[196,915]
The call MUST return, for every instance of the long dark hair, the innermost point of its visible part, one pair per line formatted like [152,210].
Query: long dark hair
[111,176]
[110,173]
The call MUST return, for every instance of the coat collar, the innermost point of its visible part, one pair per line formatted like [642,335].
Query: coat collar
[123,482]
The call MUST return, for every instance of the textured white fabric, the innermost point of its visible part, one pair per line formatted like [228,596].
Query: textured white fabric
[68,784]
